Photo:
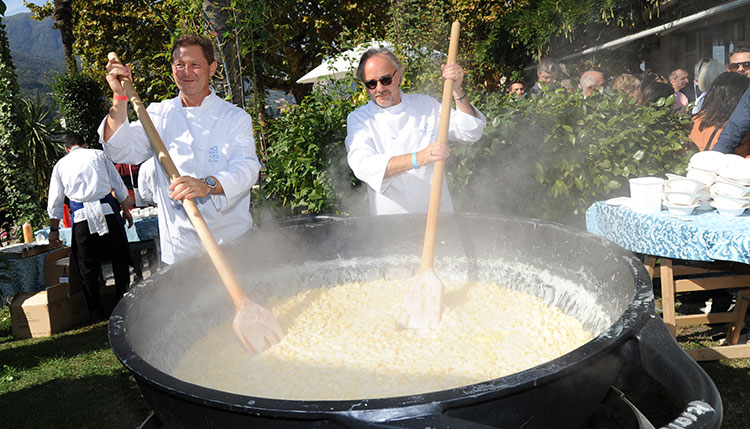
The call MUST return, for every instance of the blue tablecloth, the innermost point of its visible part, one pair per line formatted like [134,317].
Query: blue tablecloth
[703,236]
[143,229]
[22,275]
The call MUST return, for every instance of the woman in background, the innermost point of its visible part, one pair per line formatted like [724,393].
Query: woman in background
[720,101]
[708,73]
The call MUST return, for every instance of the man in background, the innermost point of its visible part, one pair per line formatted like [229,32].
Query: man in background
[88,178]
[547,72]
[591,80]
[517,88]
[739,61]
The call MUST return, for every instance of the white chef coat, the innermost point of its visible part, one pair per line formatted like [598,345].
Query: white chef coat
[85,176]
[375,134]
[213,139]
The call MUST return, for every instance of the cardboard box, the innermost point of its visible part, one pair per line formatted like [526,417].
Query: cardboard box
[53,271]
[79,310]
[40,314]
[68,274]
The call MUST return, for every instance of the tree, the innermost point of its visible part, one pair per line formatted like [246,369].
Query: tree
[20,197]
[130,28]
[63,14]
[43,138]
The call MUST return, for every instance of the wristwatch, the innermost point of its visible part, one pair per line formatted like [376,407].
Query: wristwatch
[210,182]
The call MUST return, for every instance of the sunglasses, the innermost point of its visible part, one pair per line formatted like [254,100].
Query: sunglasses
[385,80]
[735,66]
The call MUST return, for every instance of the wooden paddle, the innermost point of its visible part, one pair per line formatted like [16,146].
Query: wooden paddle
[255,325]
[424,295]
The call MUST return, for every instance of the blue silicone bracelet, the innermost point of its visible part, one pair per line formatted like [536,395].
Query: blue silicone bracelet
[414,160]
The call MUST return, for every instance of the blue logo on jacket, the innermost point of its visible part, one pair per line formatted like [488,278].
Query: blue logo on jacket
[213,154]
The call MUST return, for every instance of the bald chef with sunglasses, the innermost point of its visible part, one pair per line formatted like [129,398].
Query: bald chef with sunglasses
[391,141]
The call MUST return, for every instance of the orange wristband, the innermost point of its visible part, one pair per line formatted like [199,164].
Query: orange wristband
[119,97]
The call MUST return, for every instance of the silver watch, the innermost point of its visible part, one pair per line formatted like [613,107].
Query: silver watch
[210,182]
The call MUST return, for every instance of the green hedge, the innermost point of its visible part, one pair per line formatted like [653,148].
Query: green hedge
[552,155]
[306,168]
[82,104]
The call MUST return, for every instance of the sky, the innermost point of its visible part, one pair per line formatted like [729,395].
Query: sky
[16,6]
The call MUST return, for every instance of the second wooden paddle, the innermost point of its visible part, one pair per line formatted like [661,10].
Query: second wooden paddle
[256,326]
[423,300]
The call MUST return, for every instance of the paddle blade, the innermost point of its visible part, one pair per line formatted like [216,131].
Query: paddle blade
[423,302]
[256,327]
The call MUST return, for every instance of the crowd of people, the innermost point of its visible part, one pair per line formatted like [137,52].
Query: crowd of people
[391,145]
[717,95]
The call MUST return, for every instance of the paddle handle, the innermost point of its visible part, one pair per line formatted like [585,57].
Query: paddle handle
[199,223]
[433,211]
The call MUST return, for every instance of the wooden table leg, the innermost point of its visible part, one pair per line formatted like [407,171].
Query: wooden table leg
[667,294]
[650,263]
[740,308]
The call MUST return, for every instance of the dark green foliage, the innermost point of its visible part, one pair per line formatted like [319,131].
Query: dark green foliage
[43,140]
[306,158]
[82,104]
[19,197]
[552,155]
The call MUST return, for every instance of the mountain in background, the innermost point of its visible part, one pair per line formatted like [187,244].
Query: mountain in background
[37,53]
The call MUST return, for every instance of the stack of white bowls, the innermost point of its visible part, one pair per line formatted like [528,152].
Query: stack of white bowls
[731,190]
[683,195]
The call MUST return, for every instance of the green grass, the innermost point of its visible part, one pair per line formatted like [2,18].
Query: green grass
[70,380]
[74,380]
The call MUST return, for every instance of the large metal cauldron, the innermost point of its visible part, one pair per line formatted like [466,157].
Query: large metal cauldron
[612,294]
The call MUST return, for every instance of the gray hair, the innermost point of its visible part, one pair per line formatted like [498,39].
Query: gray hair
[709,72]
[548,65]
[376,51]
[699,65]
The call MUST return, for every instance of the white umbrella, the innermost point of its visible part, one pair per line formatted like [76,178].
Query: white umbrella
[341,64]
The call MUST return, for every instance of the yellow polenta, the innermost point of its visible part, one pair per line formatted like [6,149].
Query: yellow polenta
[344,343]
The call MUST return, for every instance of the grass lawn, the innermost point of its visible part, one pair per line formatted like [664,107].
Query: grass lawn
[74,380]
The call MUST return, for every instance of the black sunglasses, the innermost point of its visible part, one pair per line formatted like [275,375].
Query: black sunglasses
[385,80]
[735,66]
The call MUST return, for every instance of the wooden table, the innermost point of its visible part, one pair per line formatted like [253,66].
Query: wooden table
[705,251]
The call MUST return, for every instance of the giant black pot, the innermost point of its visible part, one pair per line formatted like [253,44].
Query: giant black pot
[153,325]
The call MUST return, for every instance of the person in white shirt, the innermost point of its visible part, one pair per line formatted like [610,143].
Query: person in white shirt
[391,141]
[87,177]
[210,141]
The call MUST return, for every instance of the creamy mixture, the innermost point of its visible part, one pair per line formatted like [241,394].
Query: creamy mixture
[344,343]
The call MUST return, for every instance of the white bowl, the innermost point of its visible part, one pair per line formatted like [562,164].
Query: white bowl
[708,160]
[728,211]
[706,177]
[680,210]
[704,195]
[731,203]
[739,172]
[728,189]
[683,184]
[733,159]
[680,198]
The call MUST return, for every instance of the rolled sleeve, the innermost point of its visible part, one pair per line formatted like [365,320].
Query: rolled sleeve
[128,145]
[55,197]
[465,127]
[367,164]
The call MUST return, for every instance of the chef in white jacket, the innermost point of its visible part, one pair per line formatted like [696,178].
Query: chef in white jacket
[209,140]
[391,141]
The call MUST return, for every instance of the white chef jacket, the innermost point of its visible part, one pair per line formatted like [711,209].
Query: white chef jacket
[375,134]
[213,139]
[85,176]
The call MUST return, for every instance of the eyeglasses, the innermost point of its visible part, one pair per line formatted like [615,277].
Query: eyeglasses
[745,65]
[384,80]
